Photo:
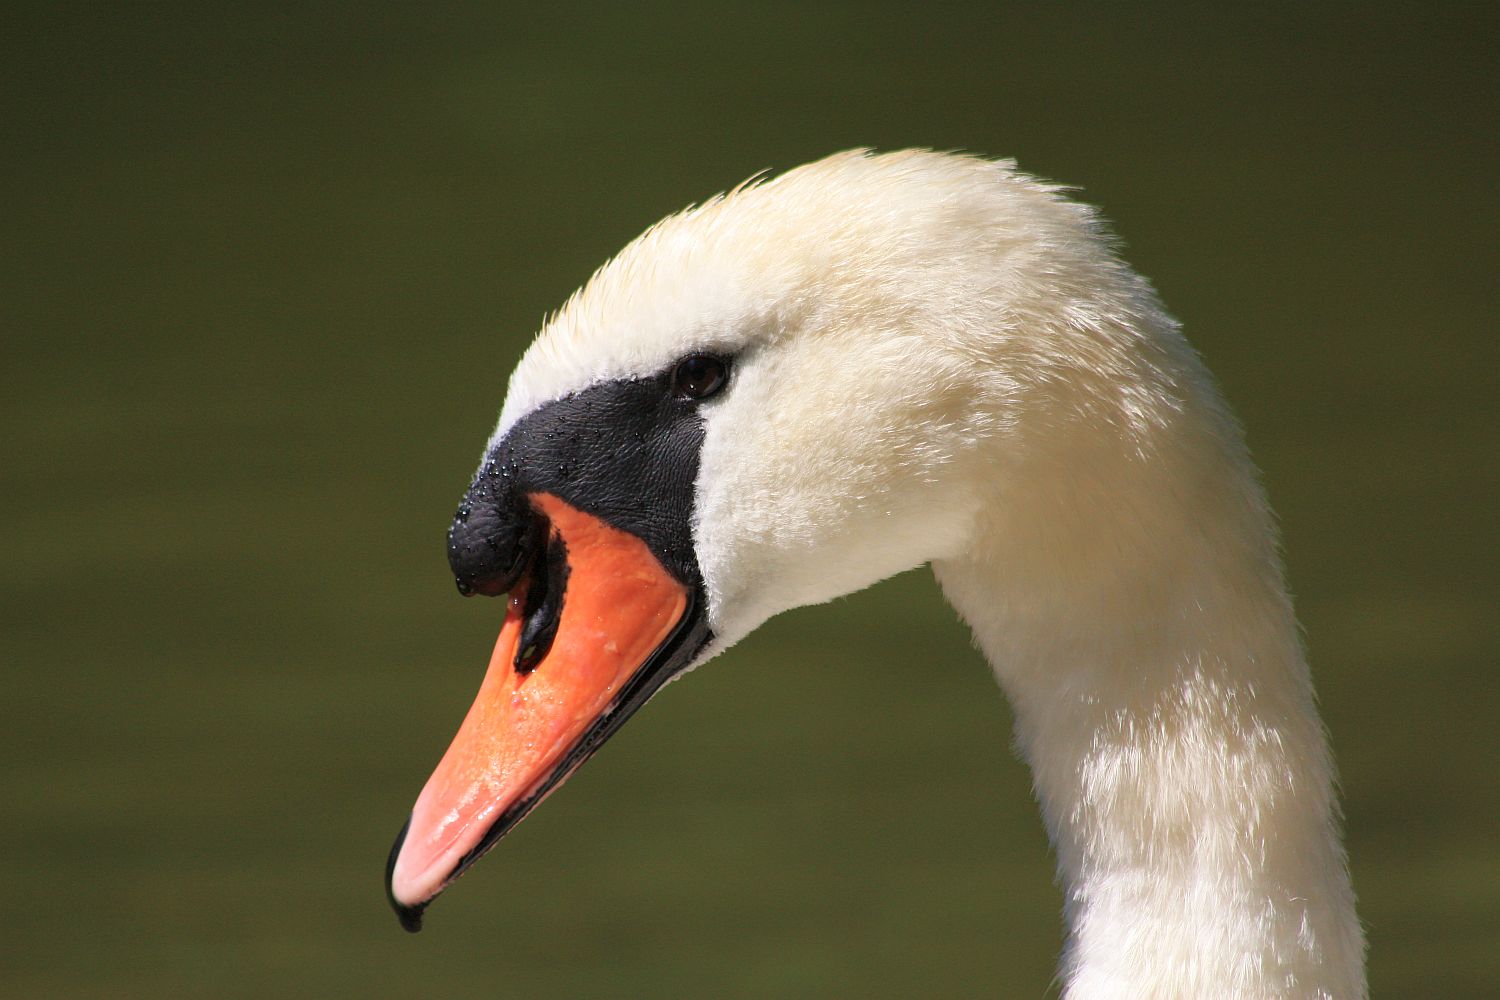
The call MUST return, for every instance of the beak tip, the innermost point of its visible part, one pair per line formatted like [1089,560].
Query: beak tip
[409,916]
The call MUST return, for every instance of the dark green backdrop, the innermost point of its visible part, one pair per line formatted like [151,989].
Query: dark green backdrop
[265,269]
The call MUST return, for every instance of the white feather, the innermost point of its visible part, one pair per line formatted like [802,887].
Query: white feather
[941,360]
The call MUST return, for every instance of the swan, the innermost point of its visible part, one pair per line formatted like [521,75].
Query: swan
[871,363]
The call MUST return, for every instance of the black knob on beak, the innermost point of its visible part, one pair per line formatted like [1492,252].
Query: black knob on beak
[494,535]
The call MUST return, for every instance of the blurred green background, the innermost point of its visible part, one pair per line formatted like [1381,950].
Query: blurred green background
[266,268]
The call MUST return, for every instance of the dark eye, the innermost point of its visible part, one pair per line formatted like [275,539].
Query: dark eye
[699,376]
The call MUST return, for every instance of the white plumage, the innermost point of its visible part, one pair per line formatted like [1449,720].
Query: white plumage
[941,360]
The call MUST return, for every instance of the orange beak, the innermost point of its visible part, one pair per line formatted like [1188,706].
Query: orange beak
[595,627]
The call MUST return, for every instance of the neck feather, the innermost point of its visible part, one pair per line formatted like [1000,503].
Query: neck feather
[1131,602]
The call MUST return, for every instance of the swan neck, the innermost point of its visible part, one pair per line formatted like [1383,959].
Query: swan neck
[1143,635]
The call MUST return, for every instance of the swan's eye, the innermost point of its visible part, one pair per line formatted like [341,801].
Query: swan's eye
[699,376]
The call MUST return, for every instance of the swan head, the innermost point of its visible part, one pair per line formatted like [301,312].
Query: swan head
[773,399]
